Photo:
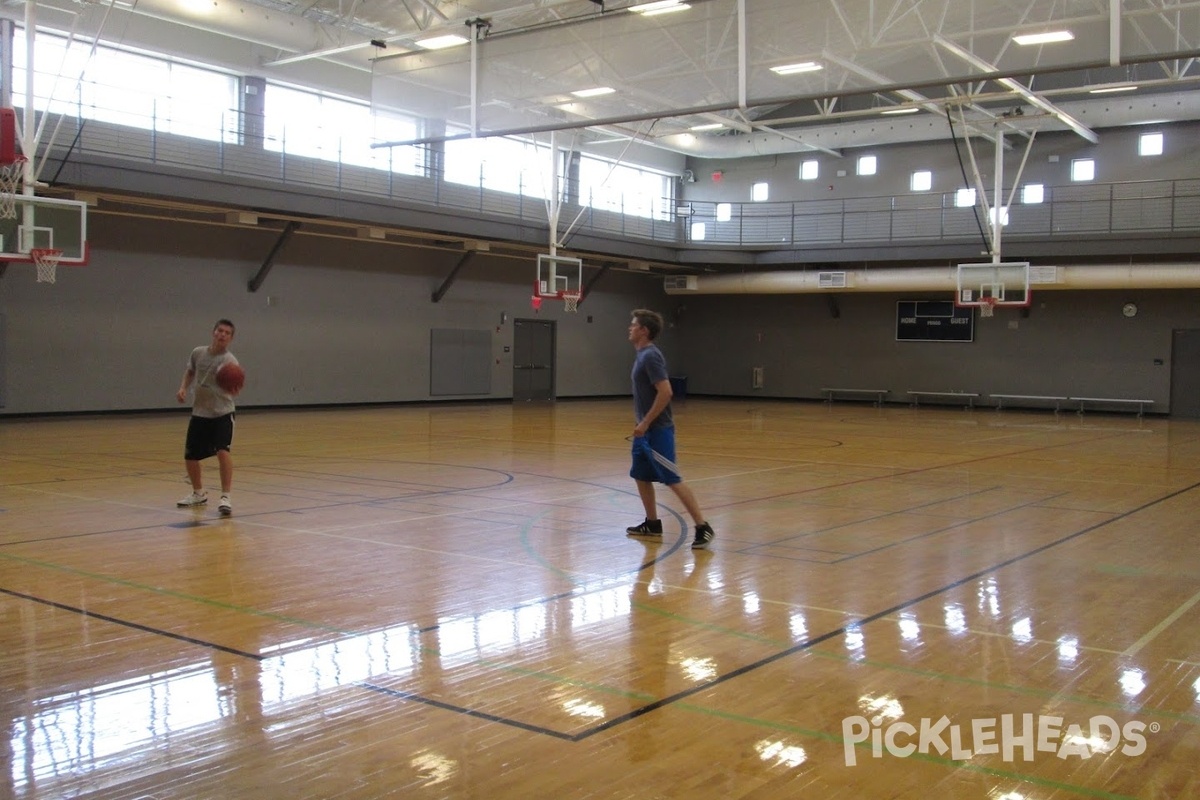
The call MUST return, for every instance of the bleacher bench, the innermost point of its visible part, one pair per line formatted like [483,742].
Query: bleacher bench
[969,397]
[1119,402]
[1029,399]
[878,394]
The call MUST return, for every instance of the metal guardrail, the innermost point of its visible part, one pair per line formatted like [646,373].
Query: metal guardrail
[1165,207]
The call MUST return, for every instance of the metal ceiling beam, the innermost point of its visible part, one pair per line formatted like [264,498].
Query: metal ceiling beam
[1029,96]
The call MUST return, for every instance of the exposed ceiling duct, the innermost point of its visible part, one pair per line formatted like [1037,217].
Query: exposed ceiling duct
[938,279]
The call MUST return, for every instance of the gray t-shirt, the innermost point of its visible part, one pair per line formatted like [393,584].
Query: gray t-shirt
[649,369]
[210,400]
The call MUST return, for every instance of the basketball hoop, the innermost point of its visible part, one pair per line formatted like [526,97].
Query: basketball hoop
[11,182]
[988,307]
[571,301]
[46,260]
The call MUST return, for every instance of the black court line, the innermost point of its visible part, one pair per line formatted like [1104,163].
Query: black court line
[134,625]
[807,644]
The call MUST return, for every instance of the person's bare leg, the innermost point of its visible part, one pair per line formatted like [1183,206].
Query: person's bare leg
[646,492]
[194,475]
[684,493]
[225,461]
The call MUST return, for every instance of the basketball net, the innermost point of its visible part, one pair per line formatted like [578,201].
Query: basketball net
[988,307]
[11,180]
[46,260]
[571,301]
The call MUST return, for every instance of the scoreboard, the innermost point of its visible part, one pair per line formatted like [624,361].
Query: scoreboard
[934,321]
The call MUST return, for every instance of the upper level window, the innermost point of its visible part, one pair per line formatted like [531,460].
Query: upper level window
[500,164]
[759,192]
[867,165]
[1032,193]
[698,231]
[921,181]
[1150,144]
[624,189]
[724,212]
[964,198]
[809,170]
[345,132]
[185,100]
[1083,169]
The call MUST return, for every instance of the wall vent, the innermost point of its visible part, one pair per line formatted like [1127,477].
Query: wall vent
[832,280]
[687,282]
[756,378]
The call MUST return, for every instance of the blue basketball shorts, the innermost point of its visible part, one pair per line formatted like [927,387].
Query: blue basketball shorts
[654,457]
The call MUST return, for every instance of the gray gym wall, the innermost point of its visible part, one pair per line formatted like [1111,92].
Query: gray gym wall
[336,321]
[1071,344]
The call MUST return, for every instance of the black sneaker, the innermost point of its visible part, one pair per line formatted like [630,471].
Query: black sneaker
[650,527]
[704,535]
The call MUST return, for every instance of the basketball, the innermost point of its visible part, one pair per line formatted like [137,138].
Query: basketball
[231,378]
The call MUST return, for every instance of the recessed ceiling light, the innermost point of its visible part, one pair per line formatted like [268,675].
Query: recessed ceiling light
[442,42]
[1111,89]
[711,126]
[1044,38]
[792,69]
[898,111]
[596,92]
[661,7]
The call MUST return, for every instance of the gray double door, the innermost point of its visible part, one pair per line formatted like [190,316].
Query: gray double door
[533,360]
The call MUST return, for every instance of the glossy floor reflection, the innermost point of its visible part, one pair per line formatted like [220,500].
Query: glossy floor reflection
[441,602]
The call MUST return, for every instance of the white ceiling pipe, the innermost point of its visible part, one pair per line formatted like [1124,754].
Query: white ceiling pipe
[945,279]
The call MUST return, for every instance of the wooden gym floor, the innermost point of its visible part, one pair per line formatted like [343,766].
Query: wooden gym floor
[441,602]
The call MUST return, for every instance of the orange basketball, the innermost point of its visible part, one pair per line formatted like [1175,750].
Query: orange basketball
[231,378]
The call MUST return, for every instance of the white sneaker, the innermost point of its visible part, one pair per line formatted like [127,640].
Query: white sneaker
[225,508]
[194,499]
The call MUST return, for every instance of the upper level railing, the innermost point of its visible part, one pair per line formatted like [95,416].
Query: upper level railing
[1162,207]
[1167,207]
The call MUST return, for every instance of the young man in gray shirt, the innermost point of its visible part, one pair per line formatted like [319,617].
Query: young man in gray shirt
[210,430]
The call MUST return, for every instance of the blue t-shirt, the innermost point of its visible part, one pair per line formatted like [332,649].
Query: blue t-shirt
[649,368]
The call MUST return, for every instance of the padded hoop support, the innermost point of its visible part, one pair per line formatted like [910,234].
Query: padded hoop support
[8,136]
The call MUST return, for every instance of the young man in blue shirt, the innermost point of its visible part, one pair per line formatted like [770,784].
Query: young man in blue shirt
[654,433]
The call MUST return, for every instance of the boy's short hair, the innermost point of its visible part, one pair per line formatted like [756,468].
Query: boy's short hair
[652,321]
[221,322]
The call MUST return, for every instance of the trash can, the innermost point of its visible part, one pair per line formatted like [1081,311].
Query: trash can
[678,387]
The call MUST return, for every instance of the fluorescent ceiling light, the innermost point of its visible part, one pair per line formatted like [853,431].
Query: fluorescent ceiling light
[596,92]
[792,69]
[661,7]
[442,42]
[1044,38]
[898,111]
[711,126]
[1111,89]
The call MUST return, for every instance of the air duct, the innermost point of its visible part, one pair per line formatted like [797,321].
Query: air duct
[943,279]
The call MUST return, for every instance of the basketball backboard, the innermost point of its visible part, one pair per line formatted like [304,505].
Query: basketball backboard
[45,223]
[992,285]
[557,275]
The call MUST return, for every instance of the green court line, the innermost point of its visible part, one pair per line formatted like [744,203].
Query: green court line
[177,595]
